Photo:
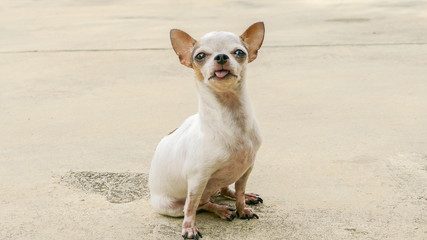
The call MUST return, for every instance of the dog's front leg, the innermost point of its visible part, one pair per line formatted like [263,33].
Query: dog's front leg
[196,186]
[242,211]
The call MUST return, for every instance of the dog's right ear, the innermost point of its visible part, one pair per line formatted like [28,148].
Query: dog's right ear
[183,45]
[253,38]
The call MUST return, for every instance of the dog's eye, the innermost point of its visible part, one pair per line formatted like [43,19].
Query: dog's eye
[239,53]
[199,57]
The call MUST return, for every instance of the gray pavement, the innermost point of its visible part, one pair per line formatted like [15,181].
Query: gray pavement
[88,88]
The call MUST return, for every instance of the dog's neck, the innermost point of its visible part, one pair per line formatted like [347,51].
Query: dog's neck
[225,112]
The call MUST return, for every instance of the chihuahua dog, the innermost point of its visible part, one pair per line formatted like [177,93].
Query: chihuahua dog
[216,147]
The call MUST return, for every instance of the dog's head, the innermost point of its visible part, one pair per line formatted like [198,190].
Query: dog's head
[219,58]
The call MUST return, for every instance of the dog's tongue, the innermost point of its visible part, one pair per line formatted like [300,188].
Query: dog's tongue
[221,73]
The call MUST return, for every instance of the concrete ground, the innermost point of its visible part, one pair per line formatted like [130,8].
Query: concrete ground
[88,88]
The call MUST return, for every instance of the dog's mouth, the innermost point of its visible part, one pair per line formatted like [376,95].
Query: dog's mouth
[222,74]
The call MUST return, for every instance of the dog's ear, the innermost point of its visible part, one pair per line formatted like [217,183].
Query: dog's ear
[183,45]
[253,38]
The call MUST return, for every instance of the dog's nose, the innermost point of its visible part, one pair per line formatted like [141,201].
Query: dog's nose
[221,58]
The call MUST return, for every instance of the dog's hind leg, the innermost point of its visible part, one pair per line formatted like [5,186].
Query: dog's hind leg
[250,198]
[222,211]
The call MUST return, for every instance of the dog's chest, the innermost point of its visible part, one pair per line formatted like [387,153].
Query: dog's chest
[241,157]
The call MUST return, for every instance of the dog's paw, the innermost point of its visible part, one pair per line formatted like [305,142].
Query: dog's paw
[226,213]
[191,233]
[252,198]
[247,213]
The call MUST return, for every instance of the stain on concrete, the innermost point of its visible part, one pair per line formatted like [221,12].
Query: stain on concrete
[116,187]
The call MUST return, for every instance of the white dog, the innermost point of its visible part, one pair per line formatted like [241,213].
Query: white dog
[216,147]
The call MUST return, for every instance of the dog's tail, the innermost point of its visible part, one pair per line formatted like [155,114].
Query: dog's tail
[167,206]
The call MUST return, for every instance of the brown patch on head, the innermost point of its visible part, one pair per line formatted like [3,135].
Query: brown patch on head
[199,74]
[253,38]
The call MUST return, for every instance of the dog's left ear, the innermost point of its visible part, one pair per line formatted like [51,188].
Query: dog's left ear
[253,38]
[183,45]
